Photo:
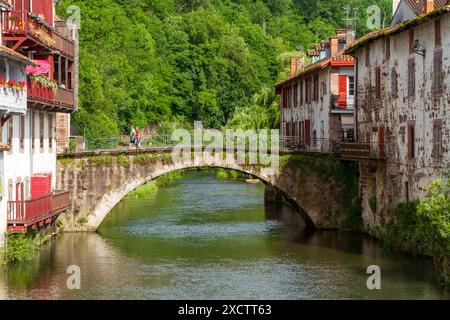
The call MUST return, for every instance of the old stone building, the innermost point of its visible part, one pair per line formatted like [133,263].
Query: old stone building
[402,109]
[317,99]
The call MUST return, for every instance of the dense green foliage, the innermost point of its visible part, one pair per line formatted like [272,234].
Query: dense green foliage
[424,227]
[147,61]
[21,247]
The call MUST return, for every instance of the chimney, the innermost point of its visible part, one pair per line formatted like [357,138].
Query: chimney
[296,65]
[333,46]
[429,6]
[395,4]
[350,36]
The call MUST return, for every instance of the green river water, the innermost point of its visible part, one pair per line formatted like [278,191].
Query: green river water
[204,238]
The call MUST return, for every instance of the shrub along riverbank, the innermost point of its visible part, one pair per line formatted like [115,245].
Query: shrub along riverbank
[423,227]
[22,247]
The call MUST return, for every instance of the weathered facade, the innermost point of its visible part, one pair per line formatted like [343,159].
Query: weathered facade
[317,100]
[402,112]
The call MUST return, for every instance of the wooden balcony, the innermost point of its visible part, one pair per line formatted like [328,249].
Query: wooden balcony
[64,97]
[21,23]
[38,212]
[64,45]
[61,100]
[37,93]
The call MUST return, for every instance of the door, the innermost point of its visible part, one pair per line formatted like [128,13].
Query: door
[20,201]
[343,95]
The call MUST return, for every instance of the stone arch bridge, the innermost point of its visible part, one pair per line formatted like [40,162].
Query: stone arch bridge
[98,181]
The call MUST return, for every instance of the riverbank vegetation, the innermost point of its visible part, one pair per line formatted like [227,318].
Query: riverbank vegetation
[22,247]
[423,227]
[148,61]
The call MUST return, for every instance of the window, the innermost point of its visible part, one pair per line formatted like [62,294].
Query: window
[285,98]
[50,133]
[307,90]
[22,133]
[3,69]
[394,83]
[63,72]
[378,83]
[388,48]
[407,191]
[316,88]
[301,92]
[295,95]
[411,41]
[411,140]
[290,97]
[41,131]
[324,88]
[9,137]
[56,69]
[437,140]
[351,86]
[411,77]
[367,55]
[437,33]
[70,75]
[437,74]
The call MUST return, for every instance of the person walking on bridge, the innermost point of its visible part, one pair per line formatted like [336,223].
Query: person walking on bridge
[138,138]
[132,135]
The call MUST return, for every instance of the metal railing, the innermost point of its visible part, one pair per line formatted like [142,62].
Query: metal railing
[92,144]
[310,145]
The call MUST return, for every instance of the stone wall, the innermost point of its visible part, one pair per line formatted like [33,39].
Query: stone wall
[98,183]
[402,178]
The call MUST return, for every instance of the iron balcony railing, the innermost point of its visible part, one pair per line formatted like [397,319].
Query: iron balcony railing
[310,145]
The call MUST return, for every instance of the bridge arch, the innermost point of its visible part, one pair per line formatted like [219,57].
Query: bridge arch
[99,182]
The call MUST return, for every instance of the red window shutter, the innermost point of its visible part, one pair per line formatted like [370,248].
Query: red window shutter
[342,100]
[308,132]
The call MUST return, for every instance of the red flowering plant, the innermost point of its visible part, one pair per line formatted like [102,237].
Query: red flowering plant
[16,85]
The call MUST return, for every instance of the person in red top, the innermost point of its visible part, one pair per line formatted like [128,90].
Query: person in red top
[138,137]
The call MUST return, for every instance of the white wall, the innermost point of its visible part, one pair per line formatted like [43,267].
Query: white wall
[44,159]
[15,166]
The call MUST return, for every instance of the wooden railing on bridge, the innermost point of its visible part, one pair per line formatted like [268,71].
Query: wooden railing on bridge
[24,214]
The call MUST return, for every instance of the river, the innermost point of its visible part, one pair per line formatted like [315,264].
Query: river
[204,238]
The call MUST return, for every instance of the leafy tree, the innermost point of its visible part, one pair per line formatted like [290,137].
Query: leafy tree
[144,62]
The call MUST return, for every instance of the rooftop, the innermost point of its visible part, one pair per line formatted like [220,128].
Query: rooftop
[340,57]
[6,52]
[395,29]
